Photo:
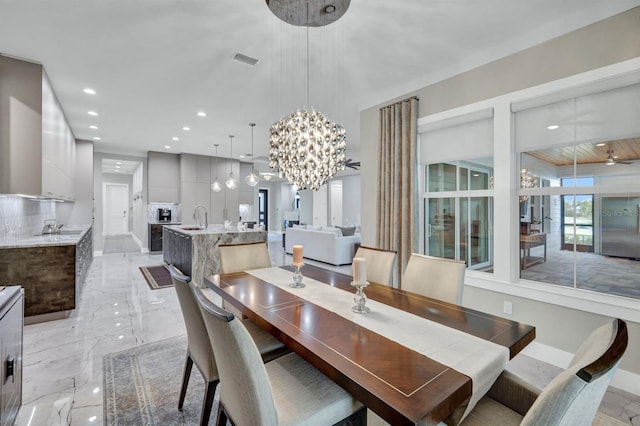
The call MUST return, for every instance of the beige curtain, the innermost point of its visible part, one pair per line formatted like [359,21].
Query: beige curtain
[397,202]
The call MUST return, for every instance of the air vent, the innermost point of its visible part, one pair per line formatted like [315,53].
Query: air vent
[245,59]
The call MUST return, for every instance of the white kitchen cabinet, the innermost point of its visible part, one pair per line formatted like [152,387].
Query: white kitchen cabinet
[36,137]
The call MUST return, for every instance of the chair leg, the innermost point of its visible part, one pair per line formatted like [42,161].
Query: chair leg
[222,416]
[207,403]
[188,364]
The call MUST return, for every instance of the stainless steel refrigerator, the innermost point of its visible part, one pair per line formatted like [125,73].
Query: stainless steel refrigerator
[620,221]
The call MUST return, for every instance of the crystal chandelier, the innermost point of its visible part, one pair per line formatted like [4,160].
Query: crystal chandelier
[215,186]
[252,179]
[306,147]
[231,182]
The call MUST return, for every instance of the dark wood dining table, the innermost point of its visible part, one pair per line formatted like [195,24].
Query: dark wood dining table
[400,385]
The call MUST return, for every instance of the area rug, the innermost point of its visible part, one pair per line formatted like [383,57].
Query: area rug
[142,386]
[156,276]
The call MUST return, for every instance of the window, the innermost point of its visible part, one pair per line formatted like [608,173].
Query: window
[457,186]
[457,223]
[580,194]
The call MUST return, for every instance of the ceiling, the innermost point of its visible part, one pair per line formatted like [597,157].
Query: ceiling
[155,64]
[621,151]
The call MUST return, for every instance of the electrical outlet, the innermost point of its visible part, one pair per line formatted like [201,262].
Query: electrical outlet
[508,308]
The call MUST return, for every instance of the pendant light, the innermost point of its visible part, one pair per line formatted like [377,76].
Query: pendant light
[231,182]
[306,147]
[252,179]
[215,186]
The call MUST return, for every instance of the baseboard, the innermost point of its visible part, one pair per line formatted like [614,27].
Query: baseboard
[145,250]
[625,380]
[97,253]
[136,240]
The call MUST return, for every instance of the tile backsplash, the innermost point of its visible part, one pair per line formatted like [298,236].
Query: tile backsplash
[152,211]
[22,217]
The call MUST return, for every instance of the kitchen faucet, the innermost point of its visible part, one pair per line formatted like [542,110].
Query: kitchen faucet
[206,219]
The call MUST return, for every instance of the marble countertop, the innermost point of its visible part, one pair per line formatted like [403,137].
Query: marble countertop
[70,235]
[215,228]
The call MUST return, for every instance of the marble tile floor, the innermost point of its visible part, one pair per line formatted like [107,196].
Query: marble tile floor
[62,364]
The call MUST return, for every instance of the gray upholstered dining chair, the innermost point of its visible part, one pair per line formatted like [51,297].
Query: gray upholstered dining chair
[435,277]
[380,264]
[285,391]
[243,257]
[199,350]
[572,397]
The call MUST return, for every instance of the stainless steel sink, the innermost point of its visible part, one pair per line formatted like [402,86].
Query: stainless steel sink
[191,228]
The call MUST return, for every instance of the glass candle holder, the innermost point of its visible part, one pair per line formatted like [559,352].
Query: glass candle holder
[297,277]
[360,299]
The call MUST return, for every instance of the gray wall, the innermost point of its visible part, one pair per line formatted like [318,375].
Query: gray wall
[607,42]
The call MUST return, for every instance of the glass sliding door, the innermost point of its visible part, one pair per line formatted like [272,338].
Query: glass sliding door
[440,227]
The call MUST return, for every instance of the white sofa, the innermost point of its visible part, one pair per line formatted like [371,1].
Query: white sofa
[324,245]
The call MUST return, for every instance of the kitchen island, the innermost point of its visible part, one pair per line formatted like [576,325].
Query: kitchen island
[194,250]
[50,268]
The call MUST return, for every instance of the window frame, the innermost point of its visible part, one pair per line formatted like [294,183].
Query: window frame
[505,279]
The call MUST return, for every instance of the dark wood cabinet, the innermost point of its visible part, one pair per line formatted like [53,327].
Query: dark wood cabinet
[11,326]
[52,276]
[155,237]
[177,250]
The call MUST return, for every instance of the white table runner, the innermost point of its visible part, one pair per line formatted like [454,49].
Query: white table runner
[477,358]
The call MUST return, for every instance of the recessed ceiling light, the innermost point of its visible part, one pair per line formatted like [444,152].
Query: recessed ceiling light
[600,144]
[117,171]
[242,156]
[118,162]
[96,138]
[92,113]
[553,127]
[186,128]
[202,114]
[93,127]
[89,91]
[117,167]
[167,147]
[175,138]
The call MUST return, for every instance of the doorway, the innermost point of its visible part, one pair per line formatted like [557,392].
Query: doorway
[263,207]
[116,209]
[577,217]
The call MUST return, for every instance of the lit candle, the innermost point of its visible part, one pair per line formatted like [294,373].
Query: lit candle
[359,270]
[297,255]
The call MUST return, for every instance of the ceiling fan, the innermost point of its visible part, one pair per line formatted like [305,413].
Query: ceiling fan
[611,159]
[355,165]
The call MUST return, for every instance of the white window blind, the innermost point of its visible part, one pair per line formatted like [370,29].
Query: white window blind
[462,141]
[609,115]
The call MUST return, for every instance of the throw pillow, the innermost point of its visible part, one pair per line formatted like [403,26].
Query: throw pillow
[347,231]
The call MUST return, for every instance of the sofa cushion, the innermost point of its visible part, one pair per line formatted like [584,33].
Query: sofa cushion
[296,226]
[335,230]
[347,231]
[314,227]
